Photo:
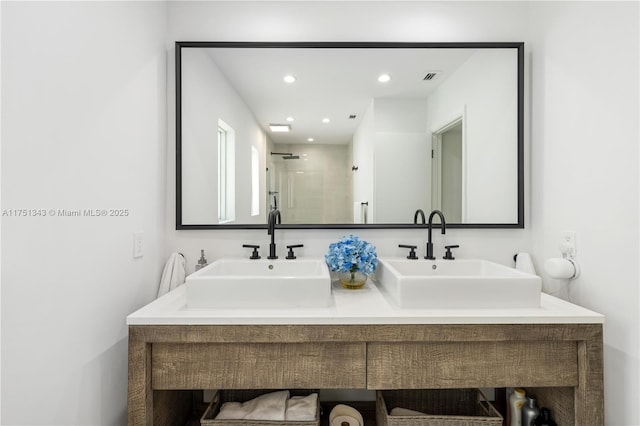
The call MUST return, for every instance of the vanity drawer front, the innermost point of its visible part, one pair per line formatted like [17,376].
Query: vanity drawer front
[258,365]
[416,365]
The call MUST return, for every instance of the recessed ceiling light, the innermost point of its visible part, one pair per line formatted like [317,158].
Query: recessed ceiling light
[325,120]
[383,78]
[279,127]
[289,78]
[289,118]
[310,140]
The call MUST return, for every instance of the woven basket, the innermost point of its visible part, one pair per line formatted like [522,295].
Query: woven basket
[208,418]
[444,407]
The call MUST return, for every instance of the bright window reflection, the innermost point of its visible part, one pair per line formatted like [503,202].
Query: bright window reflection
[255,182]
[226,173]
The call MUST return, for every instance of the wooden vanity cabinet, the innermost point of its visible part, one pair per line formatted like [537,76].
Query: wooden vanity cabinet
[560,363]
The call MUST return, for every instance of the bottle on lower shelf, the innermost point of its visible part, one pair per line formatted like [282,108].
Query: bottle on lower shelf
[544,419]
[516,402]
[530,411]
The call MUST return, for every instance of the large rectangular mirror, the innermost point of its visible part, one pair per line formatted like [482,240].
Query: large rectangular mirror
[349,135]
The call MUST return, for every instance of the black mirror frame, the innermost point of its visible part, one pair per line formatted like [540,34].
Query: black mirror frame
[179,45]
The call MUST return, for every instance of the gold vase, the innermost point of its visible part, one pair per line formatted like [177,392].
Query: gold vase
[353,280]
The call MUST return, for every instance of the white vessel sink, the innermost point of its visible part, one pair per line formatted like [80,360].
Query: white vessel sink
[460,283]
[262,283]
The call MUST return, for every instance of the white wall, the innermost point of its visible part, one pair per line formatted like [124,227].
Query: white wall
[206,98]
[362,145]
[390,148]
[584,60]
[402,160]
[199,138]
[451,195]
[83,127]
[402,176]
[484,91]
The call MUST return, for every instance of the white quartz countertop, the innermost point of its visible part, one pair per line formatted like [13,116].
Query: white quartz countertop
[365,306]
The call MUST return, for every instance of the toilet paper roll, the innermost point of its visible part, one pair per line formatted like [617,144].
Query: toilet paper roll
[562,269]
[524,263]
[345,421]
[345,414]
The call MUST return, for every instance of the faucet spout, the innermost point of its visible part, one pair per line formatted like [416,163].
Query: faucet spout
[274,217]
[430,255]
[415,217]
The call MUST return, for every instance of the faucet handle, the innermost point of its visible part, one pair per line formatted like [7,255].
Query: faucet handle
[412,252]
[254,254]
[448,255]
[291,255]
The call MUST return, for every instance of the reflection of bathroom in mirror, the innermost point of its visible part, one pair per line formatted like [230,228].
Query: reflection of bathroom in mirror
[313,184]
[445,132]
[446,171]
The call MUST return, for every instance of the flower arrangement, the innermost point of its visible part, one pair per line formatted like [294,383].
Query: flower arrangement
[351,255]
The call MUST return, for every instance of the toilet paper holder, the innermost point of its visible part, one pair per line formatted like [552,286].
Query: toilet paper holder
[564,268]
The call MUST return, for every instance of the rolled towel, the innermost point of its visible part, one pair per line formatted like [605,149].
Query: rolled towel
[302,408]
[398,411]
[270,406]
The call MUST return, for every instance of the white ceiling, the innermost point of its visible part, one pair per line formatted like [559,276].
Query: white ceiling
[333,83]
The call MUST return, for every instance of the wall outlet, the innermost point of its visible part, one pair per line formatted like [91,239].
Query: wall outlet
[568,244]
[137,245]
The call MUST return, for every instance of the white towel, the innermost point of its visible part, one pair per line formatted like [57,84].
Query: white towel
[357,212]
[173,274]
[398,411]
[302,408]
[360,210]
[271,406]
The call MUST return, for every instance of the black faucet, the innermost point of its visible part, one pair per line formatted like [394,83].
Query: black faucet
[415,217]
[430,255]
[274,216]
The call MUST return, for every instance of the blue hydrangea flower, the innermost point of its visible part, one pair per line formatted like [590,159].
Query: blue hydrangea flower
[352,254]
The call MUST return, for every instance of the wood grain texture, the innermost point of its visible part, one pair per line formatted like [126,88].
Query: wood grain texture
[361,333]
[139,394]
[258,365]
[462,365]
[589,394]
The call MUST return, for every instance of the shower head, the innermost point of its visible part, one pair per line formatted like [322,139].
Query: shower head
[287,155]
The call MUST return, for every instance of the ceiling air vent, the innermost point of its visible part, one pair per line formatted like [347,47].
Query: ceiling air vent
[431,75]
